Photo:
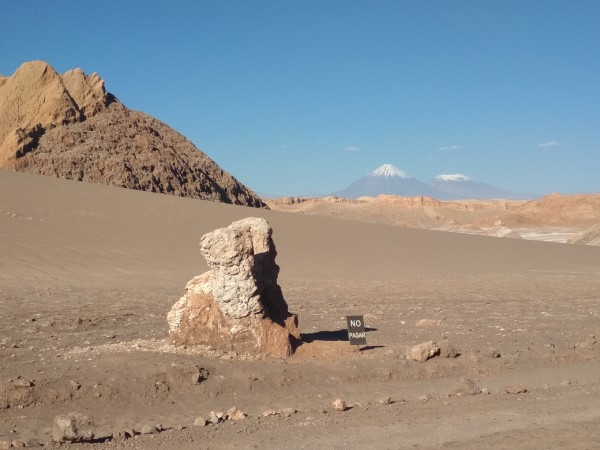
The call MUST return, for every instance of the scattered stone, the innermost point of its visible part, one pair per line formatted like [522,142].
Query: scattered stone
[466,386]
[588,344]
[384,401]
[564,383]
[22,382]
[425,397]
[287,412]
[237,305]
[339,405]
[515,389]
[130,431]
[447,350]
[215,417]
[428,323]
[181,427]
[74,384]
[281,411]
[148,429]
[186,374]
[423,352]
[74,427]
[235,414]
[121,435]
[485,391]
[199,422]
[492,353]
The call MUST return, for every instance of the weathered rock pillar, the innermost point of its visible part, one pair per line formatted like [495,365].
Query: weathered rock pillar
[237,305]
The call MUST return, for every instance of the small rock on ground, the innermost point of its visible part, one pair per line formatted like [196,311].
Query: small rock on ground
[339,405]
[515,389]
[215,417]
[429,323]
[281,411]
[492,353]
[119,435]
[235,414]
[74,427]
[466,386]
[199,422]
[148,429]
[423,352]
[447,350]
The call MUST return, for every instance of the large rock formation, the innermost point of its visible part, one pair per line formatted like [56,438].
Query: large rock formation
[237,305]
[69,126]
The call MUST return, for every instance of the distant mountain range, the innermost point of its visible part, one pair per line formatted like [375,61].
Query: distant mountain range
[388,179]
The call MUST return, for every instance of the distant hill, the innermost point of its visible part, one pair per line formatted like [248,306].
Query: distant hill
[555,217]
[69,126]
[459,186]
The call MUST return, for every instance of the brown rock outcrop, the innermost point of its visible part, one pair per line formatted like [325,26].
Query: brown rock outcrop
[237,306]
[69,126]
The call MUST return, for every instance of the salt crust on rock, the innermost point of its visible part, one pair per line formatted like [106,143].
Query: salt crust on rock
[237,305]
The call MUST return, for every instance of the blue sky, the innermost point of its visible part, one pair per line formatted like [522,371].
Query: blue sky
[304,97]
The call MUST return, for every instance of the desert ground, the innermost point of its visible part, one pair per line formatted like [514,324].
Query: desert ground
[89,272]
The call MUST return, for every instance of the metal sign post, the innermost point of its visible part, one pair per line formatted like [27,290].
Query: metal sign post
[356,330]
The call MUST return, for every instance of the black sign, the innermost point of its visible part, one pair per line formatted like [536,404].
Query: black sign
[356,330]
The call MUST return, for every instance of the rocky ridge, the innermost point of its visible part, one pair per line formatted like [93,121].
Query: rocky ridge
[69,126]
[544,219]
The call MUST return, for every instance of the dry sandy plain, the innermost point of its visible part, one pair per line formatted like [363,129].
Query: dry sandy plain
[88,273]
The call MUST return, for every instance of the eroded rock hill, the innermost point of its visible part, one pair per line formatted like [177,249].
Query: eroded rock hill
[69,126]
[555,217]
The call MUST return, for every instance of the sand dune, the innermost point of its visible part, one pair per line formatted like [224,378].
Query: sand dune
[78,233]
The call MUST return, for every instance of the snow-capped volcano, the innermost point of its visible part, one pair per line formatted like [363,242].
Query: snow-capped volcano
[460,186]
[387,170]
[388,179]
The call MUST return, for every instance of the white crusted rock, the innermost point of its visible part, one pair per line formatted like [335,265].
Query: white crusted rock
[237,305]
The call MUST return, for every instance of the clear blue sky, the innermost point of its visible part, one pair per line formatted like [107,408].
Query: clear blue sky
[304,97]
